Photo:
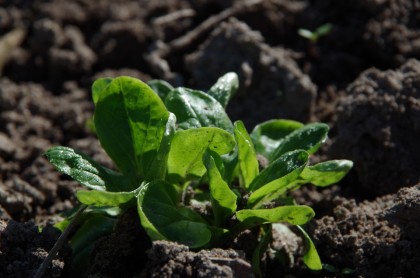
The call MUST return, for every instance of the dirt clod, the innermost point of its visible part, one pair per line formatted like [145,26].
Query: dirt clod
[264,73]
[376,122]
[23,248]
[373,238]
[168,259]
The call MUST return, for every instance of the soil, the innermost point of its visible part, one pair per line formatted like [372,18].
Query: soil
[362,78]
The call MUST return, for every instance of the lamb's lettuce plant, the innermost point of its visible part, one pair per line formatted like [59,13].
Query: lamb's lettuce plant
[165,141]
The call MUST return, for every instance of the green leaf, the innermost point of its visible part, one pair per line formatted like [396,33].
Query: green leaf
[273,180]
[130,121]
[310,258]
[230,162]
[223,199]
[160,87]
[162,219]
[188,147]
[259,251]
[268,135]
[248,163]
[197,109]
[104,198]
[190,233]
[307,138]
[295,215]
[86,171]
[224,88]
[95,226]
[159,165]
[324,29]
[326,173]
[98,87]
[62,225]
[307,34]
[284,165]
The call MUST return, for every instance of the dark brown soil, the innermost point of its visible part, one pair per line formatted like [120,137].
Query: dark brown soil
[24,247]
[168,259]
[376,124]
[363,236]
[362,78]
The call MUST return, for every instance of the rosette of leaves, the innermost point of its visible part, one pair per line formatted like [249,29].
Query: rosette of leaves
[164,140]
[287,146]
[137,130]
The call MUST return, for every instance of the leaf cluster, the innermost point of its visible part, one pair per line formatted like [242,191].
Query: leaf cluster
[176,150]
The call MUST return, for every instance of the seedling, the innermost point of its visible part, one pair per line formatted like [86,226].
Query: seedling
[164,140]
[314,36]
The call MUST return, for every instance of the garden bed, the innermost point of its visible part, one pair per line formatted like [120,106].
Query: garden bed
[362,79]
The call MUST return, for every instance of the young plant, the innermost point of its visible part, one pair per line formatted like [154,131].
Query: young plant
[165,141]
[314,36]
[288,145]
[136,130]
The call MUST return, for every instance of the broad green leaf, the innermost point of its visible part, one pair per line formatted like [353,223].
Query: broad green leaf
[130,121]
[94,227]
[295,215]
[326,173]
[86,171]
[197,109]
[230,162]
[159,165]
[247,158]
[307,138]
[98,87]
[188,147]
[311,257]
[268,135]
[273,180]
[104,198]
[162,219]
[160,87]
[190,233]
[224,88]
[223,199]
[284,165]
[274,190]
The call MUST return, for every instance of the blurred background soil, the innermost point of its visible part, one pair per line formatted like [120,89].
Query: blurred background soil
[362,78]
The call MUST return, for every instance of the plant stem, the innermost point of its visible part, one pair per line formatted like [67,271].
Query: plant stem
[57,246]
